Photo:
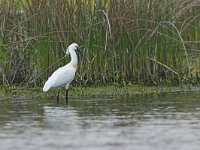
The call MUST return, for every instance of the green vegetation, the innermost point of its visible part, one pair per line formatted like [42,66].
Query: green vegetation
[97,91]
[127,42]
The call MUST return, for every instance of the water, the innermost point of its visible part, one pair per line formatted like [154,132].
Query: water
[153,122]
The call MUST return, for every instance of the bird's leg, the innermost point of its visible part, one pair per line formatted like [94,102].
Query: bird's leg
[66,96]
[57,96]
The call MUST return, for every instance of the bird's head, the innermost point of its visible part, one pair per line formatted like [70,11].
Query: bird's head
[73,46]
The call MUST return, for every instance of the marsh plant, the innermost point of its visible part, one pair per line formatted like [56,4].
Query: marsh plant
[125,41]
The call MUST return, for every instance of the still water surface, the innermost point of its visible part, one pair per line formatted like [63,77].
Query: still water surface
[153,122]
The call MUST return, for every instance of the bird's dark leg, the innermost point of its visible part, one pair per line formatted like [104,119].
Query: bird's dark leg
[66,96]
[57,96]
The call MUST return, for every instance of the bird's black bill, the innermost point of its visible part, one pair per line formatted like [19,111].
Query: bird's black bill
[81,52]
[78,48]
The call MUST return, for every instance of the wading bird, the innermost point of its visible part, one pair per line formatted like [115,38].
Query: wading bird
[63,76]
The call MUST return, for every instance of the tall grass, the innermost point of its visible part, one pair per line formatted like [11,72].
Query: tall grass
[141,41]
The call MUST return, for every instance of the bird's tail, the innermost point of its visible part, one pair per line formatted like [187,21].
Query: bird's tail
[46,87]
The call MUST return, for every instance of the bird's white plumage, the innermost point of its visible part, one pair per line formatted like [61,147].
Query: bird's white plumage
[63,76]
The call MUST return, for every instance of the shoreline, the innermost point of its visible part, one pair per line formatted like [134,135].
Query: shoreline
[100,91]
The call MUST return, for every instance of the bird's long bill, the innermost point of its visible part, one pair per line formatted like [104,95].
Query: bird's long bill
[80,51]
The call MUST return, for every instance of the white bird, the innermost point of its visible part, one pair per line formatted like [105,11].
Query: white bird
[63,76]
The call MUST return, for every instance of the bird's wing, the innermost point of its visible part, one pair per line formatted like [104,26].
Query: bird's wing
[61,76]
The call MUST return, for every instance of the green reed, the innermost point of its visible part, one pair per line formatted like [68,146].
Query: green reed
[127,42]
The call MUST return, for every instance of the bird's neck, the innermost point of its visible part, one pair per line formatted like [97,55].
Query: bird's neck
[74,59]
